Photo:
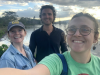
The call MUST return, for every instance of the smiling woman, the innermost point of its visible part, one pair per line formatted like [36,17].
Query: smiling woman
[17,55]
[82,32]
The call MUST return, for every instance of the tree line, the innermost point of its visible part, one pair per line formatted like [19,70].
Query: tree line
[9,16]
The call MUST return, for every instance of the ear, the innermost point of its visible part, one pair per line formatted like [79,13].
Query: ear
[96,36]
[25,33]
[8,35]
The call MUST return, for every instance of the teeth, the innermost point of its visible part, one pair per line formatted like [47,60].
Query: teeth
[16,37]
[78,41]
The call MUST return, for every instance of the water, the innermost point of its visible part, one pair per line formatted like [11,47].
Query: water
[29,30]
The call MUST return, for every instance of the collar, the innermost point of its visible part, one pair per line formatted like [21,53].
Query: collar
[14,51]
[54,28]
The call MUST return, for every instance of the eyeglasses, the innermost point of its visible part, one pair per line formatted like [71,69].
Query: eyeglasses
[83,30]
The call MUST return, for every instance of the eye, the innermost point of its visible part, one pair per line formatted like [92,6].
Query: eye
[71,29]
[43,14]
[49,14]
[20,30]
[12,31]
[85,30]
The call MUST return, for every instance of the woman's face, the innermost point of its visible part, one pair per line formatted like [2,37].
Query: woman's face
[17,34]
[78,42]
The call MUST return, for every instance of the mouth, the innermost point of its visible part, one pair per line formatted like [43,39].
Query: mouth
[46,19]
[16,37]
[74,41]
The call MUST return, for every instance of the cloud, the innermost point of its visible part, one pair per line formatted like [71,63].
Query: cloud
[81,3]
[1,11]
[65,8]
[7,2]
[23,4]
[30,12]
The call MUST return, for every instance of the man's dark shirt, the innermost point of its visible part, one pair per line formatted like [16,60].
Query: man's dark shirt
[47,44]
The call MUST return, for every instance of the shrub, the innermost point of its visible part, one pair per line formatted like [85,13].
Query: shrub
[3,48]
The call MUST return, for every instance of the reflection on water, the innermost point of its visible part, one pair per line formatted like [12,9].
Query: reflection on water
[29,30]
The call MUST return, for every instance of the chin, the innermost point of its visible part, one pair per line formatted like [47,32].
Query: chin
[18,41]
[77,50]
[47,24]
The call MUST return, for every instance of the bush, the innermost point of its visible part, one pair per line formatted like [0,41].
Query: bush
[3,30]
[1,33]
[3,48]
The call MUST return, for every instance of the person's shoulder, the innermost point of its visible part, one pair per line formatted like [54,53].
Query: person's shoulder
[52,62]
[66,53]
[7,54]
[58,29]
[36,31]
[54,55]
[95,58]
[25,47]
[51,57]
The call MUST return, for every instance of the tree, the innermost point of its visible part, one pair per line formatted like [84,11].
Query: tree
[9,16]
[34,17]
[1,22]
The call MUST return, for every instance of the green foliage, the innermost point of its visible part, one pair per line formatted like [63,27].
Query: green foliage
[10,15]
[7,17]
[1,33]
[3,48]
[3,30]
[29,21]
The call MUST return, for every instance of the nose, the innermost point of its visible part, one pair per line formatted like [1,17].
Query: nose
[77,33]
[16,32]
[47,16]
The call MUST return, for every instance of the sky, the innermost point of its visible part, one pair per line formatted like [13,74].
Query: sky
[65,9]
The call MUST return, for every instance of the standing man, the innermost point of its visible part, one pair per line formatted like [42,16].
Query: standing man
[48,38]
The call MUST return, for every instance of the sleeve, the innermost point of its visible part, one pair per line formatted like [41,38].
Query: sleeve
[53,63]
[63,42]
[6,63]
[32,44]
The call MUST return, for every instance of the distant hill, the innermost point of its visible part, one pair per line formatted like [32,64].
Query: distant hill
[62,22]
[66,22]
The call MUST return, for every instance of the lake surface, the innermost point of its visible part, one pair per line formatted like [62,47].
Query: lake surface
[29,30]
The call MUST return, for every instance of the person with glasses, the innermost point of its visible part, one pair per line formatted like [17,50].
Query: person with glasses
[82,33]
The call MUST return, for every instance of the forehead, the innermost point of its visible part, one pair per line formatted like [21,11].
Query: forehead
[47,10]
[16,27]
[79,21]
